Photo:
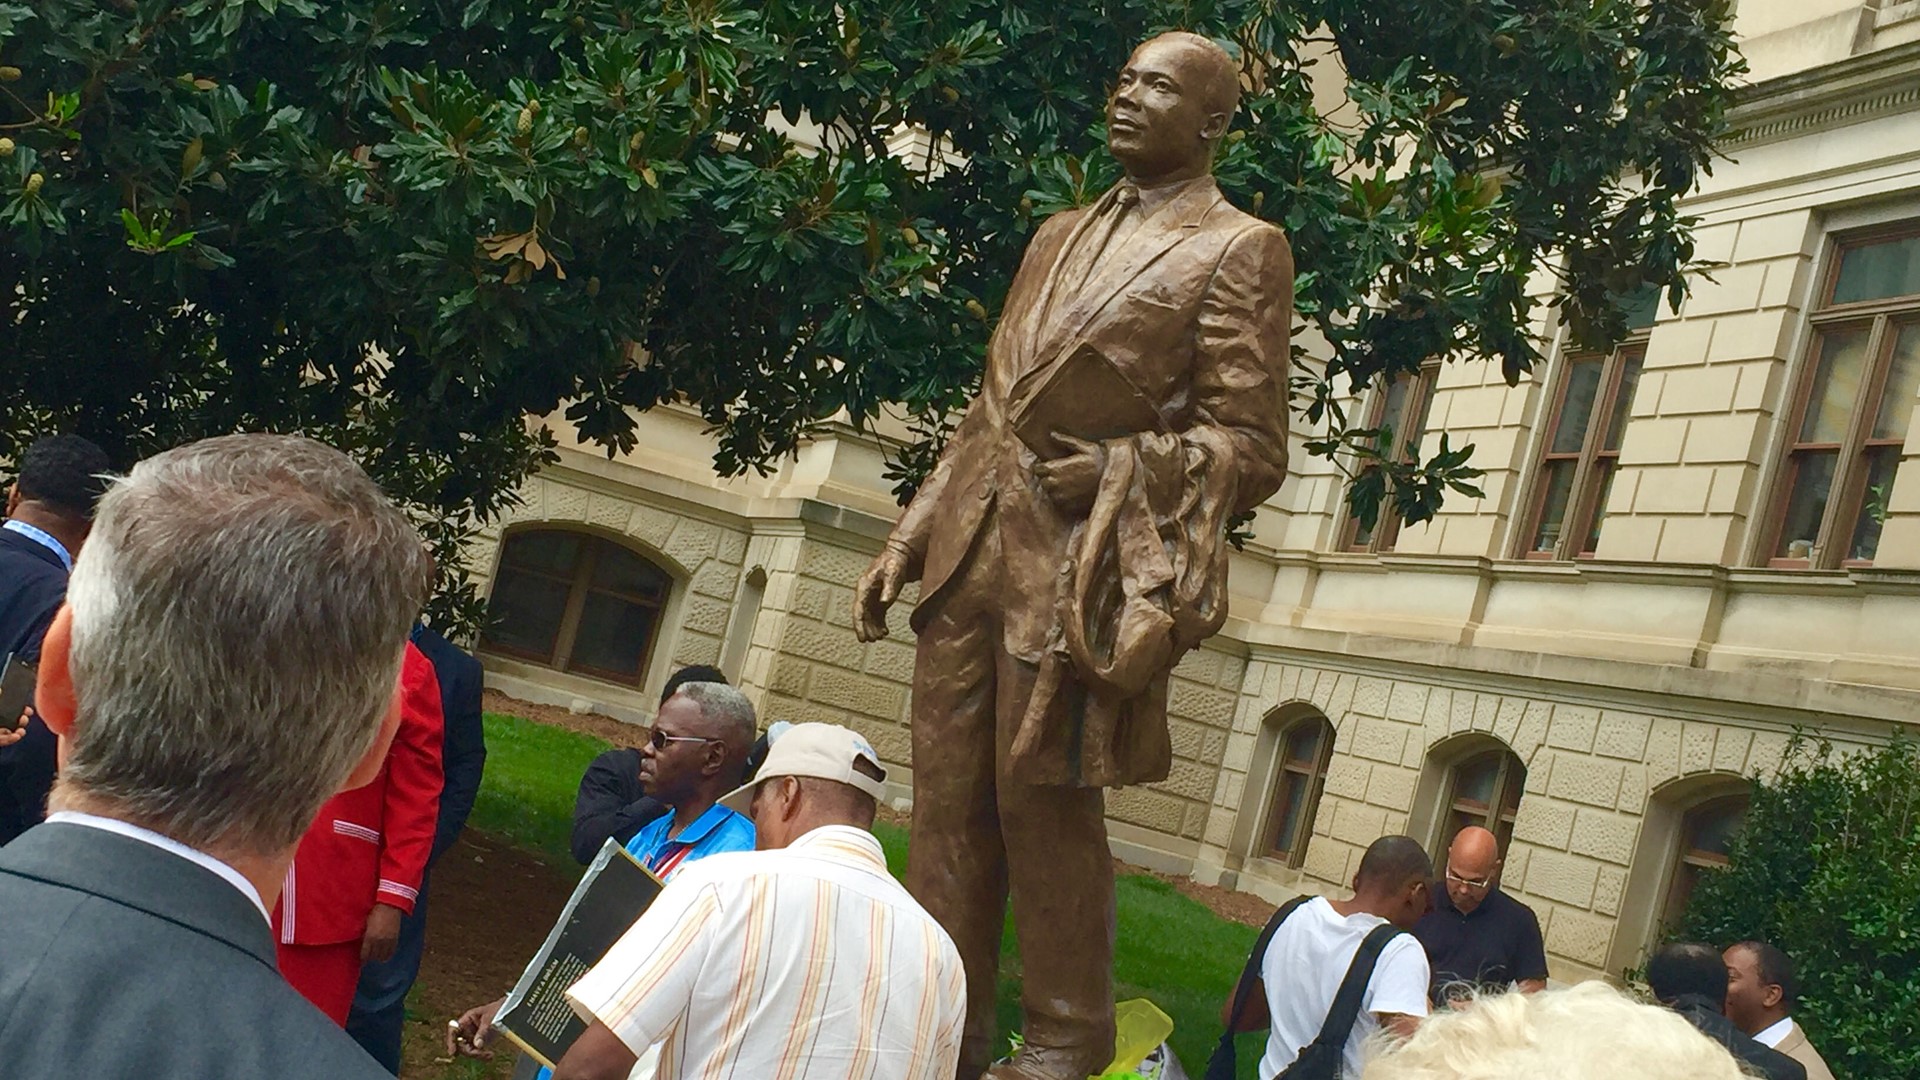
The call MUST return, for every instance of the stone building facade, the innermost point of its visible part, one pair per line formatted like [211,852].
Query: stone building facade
[1688,550]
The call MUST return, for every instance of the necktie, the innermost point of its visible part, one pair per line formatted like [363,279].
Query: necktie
[1091,244]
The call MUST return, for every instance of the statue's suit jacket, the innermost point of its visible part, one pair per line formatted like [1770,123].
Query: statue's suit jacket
[120,961]
[1194,309]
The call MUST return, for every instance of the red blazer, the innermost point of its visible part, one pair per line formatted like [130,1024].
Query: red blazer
[370,845]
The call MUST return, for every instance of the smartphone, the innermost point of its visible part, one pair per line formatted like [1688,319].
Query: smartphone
[16,692]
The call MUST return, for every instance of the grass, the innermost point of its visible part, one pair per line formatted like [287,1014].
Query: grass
[1170,949]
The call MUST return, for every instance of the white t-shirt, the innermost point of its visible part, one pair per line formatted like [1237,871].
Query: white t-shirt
[1302,971]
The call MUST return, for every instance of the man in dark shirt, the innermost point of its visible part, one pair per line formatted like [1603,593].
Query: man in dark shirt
[1691,979]
[49,512]
[1477,937]
[613,803]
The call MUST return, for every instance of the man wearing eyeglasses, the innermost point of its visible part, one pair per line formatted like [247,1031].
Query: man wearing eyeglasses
[696,752]
[1477,937]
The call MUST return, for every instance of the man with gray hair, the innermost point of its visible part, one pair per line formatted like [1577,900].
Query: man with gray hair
[227,659]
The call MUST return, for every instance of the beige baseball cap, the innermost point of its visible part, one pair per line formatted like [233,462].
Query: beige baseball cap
[823,751]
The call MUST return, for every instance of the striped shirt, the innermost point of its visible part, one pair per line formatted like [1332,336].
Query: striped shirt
[806,963]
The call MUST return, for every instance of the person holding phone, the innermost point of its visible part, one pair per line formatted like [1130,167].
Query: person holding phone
[49,512]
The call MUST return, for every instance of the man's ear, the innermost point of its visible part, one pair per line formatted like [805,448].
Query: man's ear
[13,499]
[53,696]
[1215,128]
[369,765]
[1771,995]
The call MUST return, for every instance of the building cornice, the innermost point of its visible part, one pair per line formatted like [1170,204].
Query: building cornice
[1849,91]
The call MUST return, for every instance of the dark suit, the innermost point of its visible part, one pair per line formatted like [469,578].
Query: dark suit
[1191,304]
[33,583]
[379,1003]
[122,961]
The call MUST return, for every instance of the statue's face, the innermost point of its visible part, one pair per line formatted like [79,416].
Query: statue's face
[1157,120]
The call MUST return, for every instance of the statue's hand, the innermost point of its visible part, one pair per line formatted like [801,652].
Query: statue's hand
[1072,481]
[879,587]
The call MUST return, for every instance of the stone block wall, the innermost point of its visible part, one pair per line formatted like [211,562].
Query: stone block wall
[1593,772]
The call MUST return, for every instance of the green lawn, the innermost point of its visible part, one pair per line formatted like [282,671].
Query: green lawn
[1171,950]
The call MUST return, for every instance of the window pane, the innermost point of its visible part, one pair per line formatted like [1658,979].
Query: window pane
[1362,536]
[1576,410]
[1303,745]
[1553,508]
[525,610]
[1836,385]
[1289,804]
[1879,270]
[620,570]
[545,552]
[1391,415]
[613,635]
[1603,471]
[1807,503]
[1880,463]
[1903,384]
[1623,399]
[1710,829]
[1474,779]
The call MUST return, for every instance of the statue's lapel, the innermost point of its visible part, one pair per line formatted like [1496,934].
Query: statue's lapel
[1171,224]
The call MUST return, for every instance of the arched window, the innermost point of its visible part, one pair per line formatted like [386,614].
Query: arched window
[1484,789]
[575,602]
[1705,833]
[1299,776]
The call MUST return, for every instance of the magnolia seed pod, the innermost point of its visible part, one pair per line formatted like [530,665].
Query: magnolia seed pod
[581,136]
[910,236]
[6,148]
[976,309]
[952,95]
[9,73]
[33,184]
[593,286]
[533,105]
[524,127]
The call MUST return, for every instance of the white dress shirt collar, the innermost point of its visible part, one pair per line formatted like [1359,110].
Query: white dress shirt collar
[164,843]
[1773,1036]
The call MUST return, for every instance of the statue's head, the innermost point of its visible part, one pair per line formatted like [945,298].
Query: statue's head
[1171,106]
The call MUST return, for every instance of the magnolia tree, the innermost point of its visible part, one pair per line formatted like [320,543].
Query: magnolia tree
[407,225]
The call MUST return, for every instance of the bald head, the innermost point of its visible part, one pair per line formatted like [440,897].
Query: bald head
[1473,866]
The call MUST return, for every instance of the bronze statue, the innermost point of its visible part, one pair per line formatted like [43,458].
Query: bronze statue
[1070,547]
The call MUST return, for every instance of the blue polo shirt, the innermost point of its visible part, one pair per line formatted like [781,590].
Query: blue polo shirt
[717,830]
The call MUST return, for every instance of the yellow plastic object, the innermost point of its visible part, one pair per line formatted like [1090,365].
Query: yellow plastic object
[1139,1029]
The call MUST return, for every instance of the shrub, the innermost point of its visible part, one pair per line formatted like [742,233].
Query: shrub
[1827,867]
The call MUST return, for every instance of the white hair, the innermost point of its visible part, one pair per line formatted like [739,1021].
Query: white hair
[240,611]
[1585,1032]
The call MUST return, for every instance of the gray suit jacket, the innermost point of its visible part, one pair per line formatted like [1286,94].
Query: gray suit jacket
[120,961]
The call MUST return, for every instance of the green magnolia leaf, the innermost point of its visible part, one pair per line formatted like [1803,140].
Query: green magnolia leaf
[330,173]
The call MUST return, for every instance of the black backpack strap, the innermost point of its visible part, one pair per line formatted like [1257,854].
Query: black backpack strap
[1353,990]
[1222,1065]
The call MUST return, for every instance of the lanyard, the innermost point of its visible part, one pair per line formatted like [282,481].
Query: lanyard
[42,537]
[665,864]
